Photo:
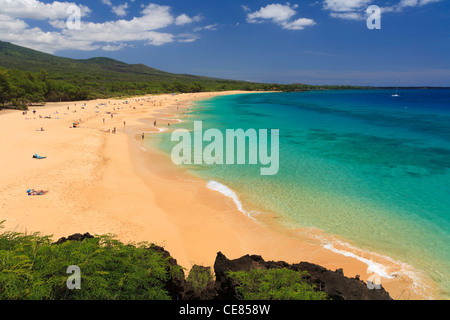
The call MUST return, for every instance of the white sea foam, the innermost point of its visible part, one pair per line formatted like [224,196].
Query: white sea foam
[177,120]
[159,130]
[397,268]
[372,266]
[223,189]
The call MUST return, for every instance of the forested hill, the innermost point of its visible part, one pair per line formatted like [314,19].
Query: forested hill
[29,76]
[105,69]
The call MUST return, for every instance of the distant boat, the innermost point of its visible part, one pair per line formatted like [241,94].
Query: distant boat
[396,93]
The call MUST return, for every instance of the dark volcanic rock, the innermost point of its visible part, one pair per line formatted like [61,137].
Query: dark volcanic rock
[74,237]
[339,287]
[333,283]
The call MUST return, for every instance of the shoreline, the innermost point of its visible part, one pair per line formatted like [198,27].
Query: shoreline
[106,183]
[388,269]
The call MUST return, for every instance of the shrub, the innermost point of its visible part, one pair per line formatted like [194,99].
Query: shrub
[33,268]
[199,278]
[274,284]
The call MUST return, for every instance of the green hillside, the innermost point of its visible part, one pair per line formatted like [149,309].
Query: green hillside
[108,70]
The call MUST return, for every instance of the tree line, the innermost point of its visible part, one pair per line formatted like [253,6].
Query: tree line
[19,89]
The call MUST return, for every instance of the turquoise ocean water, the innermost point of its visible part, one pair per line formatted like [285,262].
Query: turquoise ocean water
[359,164]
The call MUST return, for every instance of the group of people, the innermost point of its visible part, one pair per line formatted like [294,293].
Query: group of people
[33,192]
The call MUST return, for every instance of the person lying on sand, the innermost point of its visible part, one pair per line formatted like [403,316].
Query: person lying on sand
[32,192]
[38,157]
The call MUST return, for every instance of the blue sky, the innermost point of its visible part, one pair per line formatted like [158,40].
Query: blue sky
[308,41]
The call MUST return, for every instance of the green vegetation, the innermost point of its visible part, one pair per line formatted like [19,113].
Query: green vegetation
[274,284]
[31,268]
[28,76]
[34,268]
[199,278]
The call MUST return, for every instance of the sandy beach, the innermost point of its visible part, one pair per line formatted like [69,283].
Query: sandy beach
[105,183]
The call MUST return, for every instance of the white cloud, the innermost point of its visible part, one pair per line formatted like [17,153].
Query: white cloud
[403,4]
[356,9]
[275,12]
[415,3]
[120,10]
[8,24]
[187,37]
[346,5]
[114,47]
[298,24]
[48,42]
[279,14]
[185,19]
[107,2]
[246,8]
[347,9]
[109,35]
[212,27]
[34,9]
[348,15]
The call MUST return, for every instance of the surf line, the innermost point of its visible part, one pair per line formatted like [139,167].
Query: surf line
[234,150]
[224,190]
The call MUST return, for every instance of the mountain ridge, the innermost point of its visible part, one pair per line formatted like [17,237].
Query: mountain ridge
[26,59]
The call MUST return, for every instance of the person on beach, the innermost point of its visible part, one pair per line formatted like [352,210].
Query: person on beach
[33,192]
[154,123]
[143,136]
